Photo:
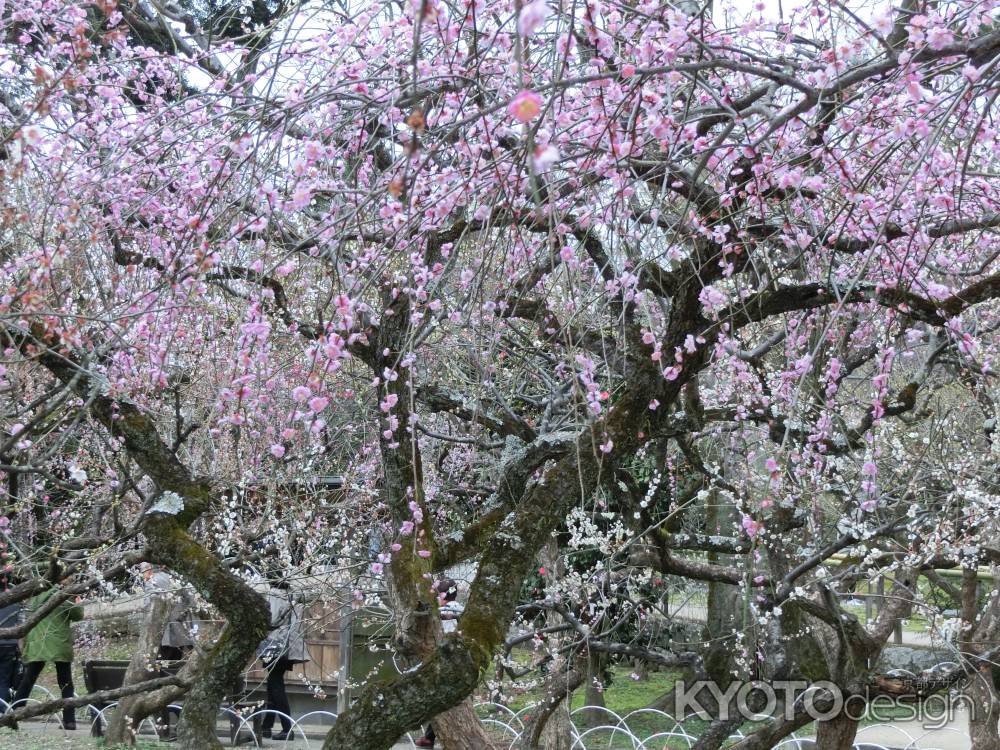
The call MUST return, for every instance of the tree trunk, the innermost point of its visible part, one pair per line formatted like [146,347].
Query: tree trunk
[554,718]
[981,689]
[155,701]
[385,711]
[128,715]
[247,622]
[985,710]
[836,734]
[594,696]
[722,612]
[641,669]
[558,731]
[459,728]
[418,630]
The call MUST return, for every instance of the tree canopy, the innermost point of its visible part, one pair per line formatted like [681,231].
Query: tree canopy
[702,292]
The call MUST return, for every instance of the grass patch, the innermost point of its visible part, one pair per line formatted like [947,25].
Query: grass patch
[623,696]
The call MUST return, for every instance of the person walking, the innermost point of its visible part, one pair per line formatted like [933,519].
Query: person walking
[10,655]
[51,640]
[283,647]
[451,610]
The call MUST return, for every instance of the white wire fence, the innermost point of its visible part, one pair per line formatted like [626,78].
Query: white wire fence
[592,728]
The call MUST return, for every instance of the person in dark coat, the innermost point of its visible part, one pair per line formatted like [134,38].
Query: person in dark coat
[10,655]
[51,640]
[283,647]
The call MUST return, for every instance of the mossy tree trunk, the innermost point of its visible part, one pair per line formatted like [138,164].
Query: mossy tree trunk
[418,630]
[247,622]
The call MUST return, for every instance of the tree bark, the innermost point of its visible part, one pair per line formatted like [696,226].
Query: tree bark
[557,728]
[592,695]
[558,731]
[981,689]
[385,711]
[417,624]
[129,713]
[985,710]
[155,701]
[836,734]
[247,623]
[459,728]
[722,611]
[418,627]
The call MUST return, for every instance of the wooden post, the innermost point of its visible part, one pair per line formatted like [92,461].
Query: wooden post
[346,637]
[897,626]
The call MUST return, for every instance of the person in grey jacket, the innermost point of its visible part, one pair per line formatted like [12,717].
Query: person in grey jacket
[176,641]
[10,655]
[283,647]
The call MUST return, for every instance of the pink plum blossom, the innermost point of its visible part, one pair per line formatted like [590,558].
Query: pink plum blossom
[525,107]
